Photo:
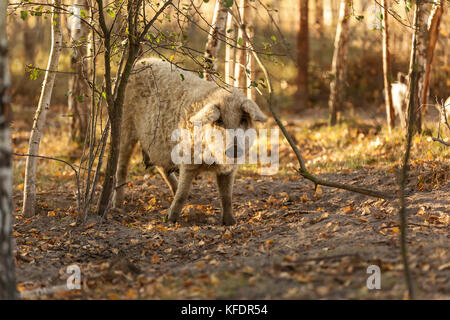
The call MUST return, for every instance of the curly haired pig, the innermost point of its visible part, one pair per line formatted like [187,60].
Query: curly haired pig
[160,99]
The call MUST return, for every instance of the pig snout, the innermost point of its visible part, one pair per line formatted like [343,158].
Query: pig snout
[235,150]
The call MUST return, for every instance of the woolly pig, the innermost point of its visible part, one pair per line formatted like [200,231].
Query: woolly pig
[161,99]
[399,93]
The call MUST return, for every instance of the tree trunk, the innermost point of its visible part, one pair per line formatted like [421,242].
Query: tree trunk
[29,196]
[303,57]
[339,65]
[239,71]
[78,99]
[215,35]
[7,277]
[116,100]
[421,41]
[390,115]
[318,13]
[230,50]
[251,75]
[412,108]
[433,34]
[29,40]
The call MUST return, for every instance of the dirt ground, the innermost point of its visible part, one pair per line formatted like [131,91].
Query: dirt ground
[290,241]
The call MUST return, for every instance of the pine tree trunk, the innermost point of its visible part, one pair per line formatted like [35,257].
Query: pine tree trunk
[239,71]
[78,99]
[7,277]
[339,65]
[433,32]
[390,115]
[29,198]
[230,50]
[303,56]
[216,33]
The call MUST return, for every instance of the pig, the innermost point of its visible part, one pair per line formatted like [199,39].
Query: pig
[160,99]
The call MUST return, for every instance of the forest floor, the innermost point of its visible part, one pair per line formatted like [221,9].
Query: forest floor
[290,241]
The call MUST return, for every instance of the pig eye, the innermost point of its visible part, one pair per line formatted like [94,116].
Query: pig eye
[219,122]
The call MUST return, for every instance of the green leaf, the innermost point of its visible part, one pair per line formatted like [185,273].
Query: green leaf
[104,95]
[228,3]
[23,15]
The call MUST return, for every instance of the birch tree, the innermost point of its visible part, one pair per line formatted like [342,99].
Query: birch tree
[230,50]
[433,33]
[250,67]
[387,75]
[29,196]
[339,64]
[7,277]
[78,98]
[420,38]
[214,38]
[303,56]
[239,71]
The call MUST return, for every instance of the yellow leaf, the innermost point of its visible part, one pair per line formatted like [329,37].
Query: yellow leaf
[155,258]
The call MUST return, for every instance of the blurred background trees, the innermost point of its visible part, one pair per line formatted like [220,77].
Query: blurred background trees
[364,84]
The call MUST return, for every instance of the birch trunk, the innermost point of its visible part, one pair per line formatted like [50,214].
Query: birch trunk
[339,65]
[303,56]
[239,71]
[433,35]
[251,75]
[422,45]
[7,277]
[390,115]
[29,196]
[214,39]
[414,74]
[78,99]
[230,50]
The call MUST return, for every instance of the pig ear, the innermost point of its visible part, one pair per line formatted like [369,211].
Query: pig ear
[253,110]
[208,114]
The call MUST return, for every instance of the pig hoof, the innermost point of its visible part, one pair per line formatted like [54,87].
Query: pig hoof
[229,221]
[171,217]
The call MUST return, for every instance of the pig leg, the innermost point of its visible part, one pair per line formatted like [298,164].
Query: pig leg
[225,186]
[169,178]
[127,144]
[184,185]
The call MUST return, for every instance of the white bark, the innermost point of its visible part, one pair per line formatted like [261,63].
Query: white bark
[239,70]
[29,198]
[339,65]
[251,91]
[214,38]
[230,50]
[78,99]
[390,115]
[7,278]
